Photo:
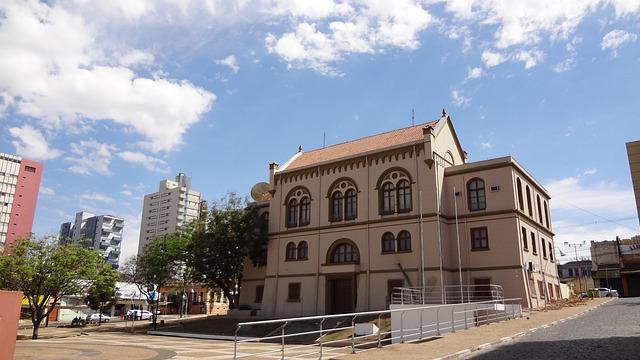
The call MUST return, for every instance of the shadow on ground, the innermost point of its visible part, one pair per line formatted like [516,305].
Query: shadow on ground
[601,348]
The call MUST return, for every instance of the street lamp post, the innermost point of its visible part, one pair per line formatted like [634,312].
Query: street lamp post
[575,248]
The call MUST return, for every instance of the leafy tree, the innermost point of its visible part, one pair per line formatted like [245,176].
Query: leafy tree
[162,263]
[46,272]
[234,232]
[102,291]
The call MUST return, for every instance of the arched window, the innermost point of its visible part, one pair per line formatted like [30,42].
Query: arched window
[291,251]
[529,201]
[292,213]
[388,199]
[476,194]
[404,196]
[344,253]
[303,250]
[388,243]
[520,201]
[404,241]
[305,211]
[546,215]
[350,204]
[539,209]
[336,206]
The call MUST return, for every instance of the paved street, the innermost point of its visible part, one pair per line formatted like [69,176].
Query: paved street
[611,331]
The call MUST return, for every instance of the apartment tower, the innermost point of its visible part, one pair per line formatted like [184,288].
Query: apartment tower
[19,187]
[174,204]
[102,233]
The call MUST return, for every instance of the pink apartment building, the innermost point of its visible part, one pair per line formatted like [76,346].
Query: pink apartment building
[19,187]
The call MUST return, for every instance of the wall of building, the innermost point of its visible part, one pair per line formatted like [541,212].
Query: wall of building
[633,154]
[429,167]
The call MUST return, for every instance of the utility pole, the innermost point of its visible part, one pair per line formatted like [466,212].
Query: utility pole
[575,249]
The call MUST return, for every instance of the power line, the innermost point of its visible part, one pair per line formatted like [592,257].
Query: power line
[594,223]
[594,214]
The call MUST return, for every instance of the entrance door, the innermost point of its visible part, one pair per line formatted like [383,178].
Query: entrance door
[341,296]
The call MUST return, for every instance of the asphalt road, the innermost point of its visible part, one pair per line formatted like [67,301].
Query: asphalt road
[611,331]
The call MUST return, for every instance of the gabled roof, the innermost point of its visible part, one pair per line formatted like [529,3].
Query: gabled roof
[359,146]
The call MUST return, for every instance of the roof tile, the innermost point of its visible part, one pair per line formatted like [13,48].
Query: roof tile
[360,146]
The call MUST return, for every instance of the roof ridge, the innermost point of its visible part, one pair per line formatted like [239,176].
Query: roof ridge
[372,135]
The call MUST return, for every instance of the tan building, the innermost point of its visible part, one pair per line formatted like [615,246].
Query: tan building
[633,152]
[351,221]
[174,205]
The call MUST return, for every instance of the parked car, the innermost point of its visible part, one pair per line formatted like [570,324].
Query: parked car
[604,292]
[94,318]
[139,315]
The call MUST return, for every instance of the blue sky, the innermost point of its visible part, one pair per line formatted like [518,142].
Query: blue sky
[115,96]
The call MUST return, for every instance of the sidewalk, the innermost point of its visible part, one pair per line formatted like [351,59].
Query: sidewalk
[52,332]
[463,342]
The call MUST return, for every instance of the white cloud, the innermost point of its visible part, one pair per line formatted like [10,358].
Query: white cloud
[530,58]
[363,27]
[486,145]
[458,99]
[136,57]
[616,38]
[604,198]
[491,58]
[90,157]
[47,191]
[30,143]
[96,196]
[130,236]
[565,65]
[474,73]
[148,162]
[591,171]
[230,62]
[54,68]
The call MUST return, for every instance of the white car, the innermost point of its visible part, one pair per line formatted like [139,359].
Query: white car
[139,314]
[606,292]
[94,318]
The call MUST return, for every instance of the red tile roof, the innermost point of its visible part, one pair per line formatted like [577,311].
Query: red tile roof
[359,146]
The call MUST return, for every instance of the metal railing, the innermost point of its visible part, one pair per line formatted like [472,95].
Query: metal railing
[450,294]
[415,323]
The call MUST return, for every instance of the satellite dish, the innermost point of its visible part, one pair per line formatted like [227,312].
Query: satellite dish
[260,191]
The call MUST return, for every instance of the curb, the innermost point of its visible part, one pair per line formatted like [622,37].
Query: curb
[515,336]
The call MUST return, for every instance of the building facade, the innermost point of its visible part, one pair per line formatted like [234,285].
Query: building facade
[19,187]
[102,233]
[578,275]
[350,222]
[633,153]
[174,204]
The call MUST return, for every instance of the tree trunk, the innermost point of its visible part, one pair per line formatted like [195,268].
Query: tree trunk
[230,297]
[36,327]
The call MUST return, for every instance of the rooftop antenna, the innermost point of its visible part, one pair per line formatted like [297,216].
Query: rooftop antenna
[413,117]
[324,139]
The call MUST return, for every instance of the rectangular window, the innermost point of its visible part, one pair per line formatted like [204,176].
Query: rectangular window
[479,239]
[550,251]
[570,272]
[534,245]
[30,169]
[543,244]
[550,294]
[525,243]
[540,289]
[558,293]
[294,292]
[259,292]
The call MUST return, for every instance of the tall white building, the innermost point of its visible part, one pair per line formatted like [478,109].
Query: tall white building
[103,233]
[174,205]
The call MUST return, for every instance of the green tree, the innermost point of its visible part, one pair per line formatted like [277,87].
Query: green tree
[161,264]
[45,272]
[102,291]
[234,232]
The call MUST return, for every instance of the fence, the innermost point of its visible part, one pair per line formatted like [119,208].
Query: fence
[310,337]
[451,294]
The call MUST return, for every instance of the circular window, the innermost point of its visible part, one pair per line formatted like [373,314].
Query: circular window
[298,193]
[394,175]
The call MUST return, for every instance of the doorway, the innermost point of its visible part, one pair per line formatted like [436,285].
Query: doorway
[341,295]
